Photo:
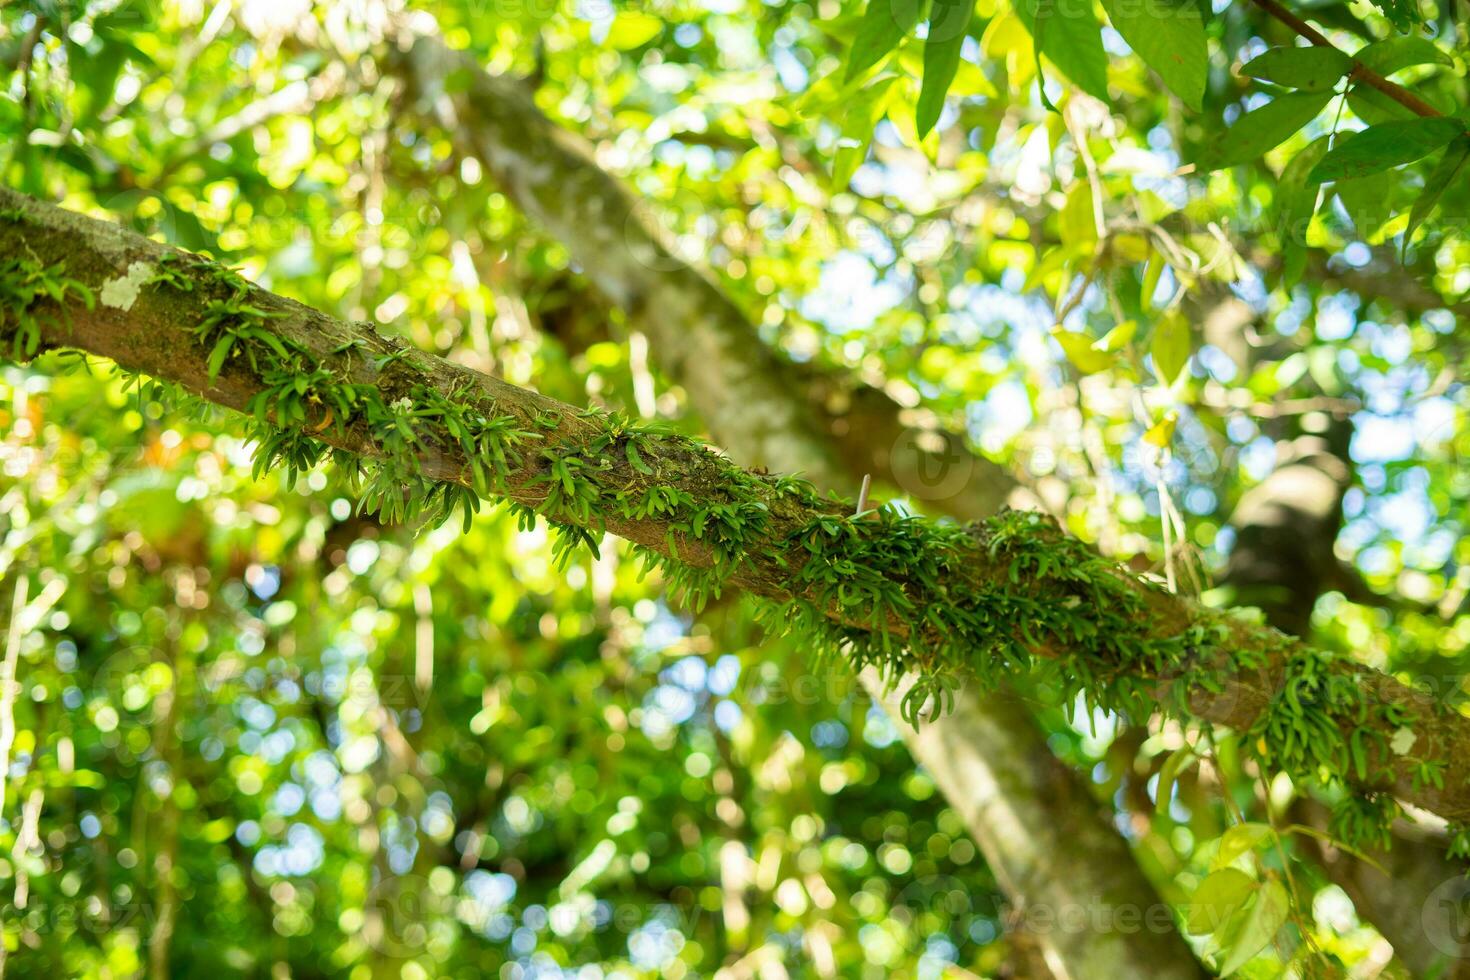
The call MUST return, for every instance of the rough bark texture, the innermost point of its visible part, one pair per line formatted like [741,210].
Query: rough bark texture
[154,335]
[1286,528]
[987,755]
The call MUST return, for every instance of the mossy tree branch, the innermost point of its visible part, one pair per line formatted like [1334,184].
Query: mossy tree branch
[896,593]
[1033,817]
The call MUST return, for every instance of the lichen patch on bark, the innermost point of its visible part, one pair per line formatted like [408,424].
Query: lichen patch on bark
[122,292]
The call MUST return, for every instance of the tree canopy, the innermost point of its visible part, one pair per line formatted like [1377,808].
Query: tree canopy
[913,489]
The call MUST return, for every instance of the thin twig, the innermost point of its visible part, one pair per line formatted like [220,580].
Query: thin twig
[1297,905]
[14,635]
[23,72]
[1360,71]
[27,45]
[1298,828]
[1094,181]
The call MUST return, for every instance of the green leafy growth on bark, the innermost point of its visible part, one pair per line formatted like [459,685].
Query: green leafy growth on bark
[877,590]
[24,280]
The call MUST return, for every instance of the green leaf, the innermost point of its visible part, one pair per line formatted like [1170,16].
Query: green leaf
[1296,191]
[1297,196]
[1083,352]
[1259,927]
[632,29]
[1076,221]
[269,338]
[970,80]
[1436,183]
[1369,201]
[863,113]
[846,161]
[1170,38]
[634,459]
[1373,107]
[949,20]
[1044,11]
[1313,69]
[1160,434]
[1261,129]
[1149,284]
[1071,39]
[1181,757]
[1119,337]
[218,354]
[1396,53]
[884,24]
[1216,899]
[1170,348]
[1239,839]
[76,779]
[1386,145]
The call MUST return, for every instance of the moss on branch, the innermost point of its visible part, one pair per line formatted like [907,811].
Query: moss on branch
[945,603]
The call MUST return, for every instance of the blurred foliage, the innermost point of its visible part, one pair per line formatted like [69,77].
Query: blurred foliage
[256,734]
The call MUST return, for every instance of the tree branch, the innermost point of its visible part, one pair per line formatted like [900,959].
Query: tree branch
[902,594]
[1360,71]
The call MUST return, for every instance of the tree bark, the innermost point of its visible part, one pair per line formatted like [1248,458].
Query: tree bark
[151,329]
[1049,843]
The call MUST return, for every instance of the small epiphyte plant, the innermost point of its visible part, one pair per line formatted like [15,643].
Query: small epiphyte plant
[23,281]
